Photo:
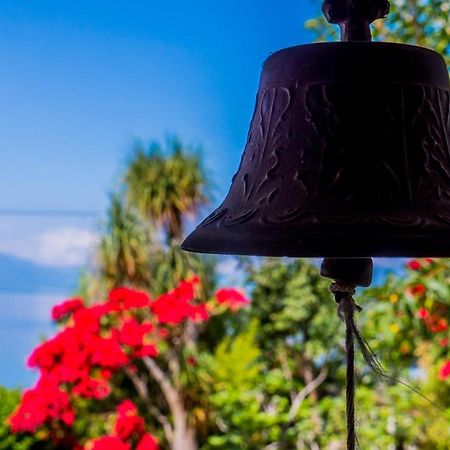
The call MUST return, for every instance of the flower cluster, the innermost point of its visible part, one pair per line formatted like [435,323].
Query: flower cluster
[94,344]
[178,305]
[433,322]
[129,429]
[418,264]
[81,359]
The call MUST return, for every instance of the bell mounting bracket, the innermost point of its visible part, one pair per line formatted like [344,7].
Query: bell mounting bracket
[355,16]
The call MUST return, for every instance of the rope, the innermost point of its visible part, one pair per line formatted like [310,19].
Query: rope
[346,310]
[343,293]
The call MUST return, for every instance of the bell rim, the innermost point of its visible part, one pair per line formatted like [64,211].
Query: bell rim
[316,245]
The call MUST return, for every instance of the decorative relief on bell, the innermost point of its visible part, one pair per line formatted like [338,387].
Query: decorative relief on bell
[341,154]
[361,157]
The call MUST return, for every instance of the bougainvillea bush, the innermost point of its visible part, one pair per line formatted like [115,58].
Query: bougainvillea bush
[128,346]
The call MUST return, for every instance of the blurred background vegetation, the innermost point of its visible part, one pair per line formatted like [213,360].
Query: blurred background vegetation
[272,376]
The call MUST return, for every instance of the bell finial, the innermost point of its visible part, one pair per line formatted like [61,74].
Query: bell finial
[355,16]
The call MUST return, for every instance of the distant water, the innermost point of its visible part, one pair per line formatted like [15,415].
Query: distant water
[27,293]
[24,321]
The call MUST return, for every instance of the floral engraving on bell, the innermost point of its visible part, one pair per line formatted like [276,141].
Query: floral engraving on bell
[333,153]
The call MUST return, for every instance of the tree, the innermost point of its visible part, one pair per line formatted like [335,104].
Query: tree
[125,248]
[166,185]
[129,346]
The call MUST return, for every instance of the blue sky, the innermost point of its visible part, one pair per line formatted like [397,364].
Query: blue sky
[79,82]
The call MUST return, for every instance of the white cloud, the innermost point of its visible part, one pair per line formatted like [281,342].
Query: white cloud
[66,247]
[60,247]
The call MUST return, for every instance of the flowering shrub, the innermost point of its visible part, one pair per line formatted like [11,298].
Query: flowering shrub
[422,316]
[97,342]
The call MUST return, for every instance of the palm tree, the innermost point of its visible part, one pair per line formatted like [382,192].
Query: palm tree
[166,185]
[124,251]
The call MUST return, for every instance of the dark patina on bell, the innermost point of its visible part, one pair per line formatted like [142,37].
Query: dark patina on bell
[348,154]
[347,157]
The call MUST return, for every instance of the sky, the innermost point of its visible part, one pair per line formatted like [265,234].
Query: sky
[80,82]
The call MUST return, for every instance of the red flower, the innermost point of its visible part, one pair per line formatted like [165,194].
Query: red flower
[107,353]
[124,299]
[132,332]
[148,442]
[146,350]
[88,319]
[444,342]
[126,407]
[171,309]
[66,308]
[417,289]
[128,422]
[40,405]
[108,443]
[423,313]
[438,325]
[444,372]
[231,298]
[92,388]
[414,265]
[191,361]
[199,313]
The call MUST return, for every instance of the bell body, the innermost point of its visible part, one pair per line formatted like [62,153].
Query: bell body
[348,155]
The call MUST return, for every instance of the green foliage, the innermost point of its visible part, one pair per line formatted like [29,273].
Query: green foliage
[290,300]
[166,185]
[298,344]
[237,360]
[9,399]
[124,251]
[237,395]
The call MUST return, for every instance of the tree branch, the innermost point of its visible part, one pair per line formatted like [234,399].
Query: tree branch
[170,393]
[307,390]
[142,390]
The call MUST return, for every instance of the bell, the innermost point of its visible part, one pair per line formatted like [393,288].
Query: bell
[347,155]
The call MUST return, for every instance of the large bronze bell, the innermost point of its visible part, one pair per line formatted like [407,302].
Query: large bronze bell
[348,157]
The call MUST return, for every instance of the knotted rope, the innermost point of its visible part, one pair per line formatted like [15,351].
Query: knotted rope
[343,293]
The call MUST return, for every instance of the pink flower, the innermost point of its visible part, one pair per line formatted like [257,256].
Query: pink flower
[423,313]
[444,372]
